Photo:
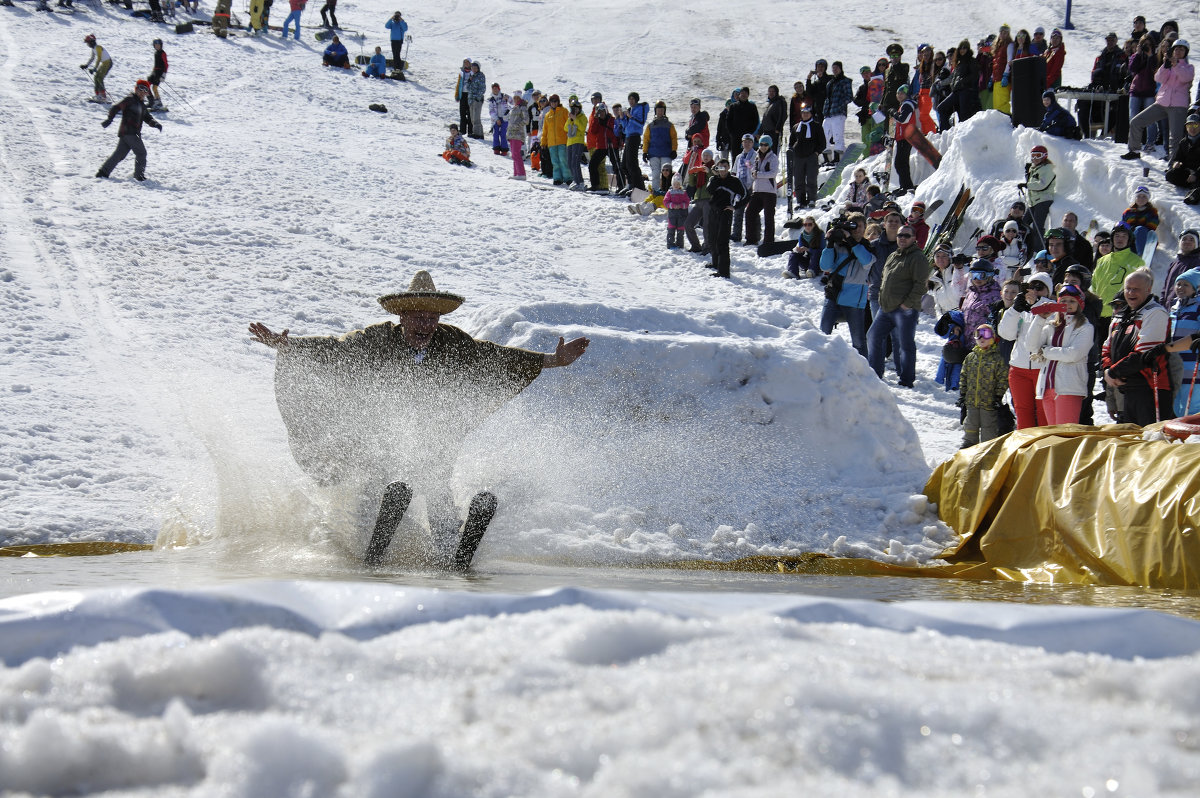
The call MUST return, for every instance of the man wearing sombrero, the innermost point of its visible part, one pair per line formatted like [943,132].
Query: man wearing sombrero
[396,400]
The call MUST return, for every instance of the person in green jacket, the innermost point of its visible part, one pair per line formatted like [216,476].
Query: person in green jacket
[981,387]
[1039,182]
[905,274]
[1112,269]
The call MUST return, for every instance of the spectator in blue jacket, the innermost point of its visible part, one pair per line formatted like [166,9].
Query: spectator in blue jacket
[659,142]
[399,28]
[1056,121]
[378,66]
[845,268]
[631,129]
[336,55]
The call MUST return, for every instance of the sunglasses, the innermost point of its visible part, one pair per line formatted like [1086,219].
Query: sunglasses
[905,235]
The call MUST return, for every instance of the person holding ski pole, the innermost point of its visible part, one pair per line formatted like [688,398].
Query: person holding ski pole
[394,401]
[158,73]
[103,65]
[134,113]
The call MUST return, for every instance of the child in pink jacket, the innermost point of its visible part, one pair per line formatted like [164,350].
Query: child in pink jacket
[676,202]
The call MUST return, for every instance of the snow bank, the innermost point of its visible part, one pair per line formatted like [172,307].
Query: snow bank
[341,689]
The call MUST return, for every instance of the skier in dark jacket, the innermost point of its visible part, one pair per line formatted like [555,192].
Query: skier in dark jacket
[158,73]
[133,114]
[741,117]
[774,118]
[896,76]
[809,144]
[725,191]
[817,87]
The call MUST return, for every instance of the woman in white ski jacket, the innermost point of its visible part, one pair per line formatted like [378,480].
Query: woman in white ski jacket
[1064,344]
[1018,324]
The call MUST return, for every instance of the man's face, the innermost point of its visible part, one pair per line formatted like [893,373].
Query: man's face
[905,237]
[891,224]
[743,95]
[1120,239]
[1009,294]
[1016,212]
[1187,244]
[1193,129]
[418,327]
[695,108]
[772,93]
[1069,221]
[660,112]
[1136,291]
[1055,247]
[747,144]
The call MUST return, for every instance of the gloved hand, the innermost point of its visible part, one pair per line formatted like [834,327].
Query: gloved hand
[106,123]
[1196,343]
[1022,185]
[673,156]
[83,67]
[157,125]
[1004,82]
[1020,304]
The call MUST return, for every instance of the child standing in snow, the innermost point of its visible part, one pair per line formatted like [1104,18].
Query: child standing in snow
[982,384]
[1185,320]
[499,105]
[676,202]
[950,327]
[157,74]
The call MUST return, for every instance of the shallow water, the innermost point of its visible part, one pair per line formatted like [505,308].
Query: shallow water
[197,567]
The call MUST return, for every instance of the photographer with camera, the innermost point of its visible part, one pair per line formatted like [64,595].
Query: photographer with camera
[846,274]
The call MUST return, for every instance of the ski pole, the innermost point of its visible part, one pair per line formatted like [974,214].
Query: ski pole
[174,94]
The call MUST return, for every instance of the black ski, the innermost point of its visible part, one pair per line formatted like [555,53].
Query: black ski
[479,515]
[772,248]
[392,507]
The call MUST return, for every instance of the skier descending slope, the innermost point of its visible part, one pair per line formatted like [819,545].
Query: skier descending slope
[394,402]
[133,113]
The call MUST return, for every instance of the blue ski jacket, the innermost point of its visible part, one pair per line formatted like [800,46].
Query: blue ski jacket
[398,27]
[635,120]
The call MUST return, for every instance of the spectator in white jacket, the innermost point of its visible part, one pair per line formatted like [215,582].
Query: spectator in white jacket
[764,194]
[947,292]
[499,104]
[1018,324]
[1063,344]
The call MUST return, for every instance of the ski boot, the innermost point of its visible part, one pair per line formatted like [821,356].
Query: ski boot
[392,507]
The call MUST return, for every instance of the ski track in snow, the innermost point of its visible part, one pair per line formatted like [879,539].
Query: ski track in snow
[137,404]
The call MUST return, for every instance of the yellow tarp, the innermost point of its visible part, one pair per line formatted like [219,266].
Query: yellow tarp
[1090,505]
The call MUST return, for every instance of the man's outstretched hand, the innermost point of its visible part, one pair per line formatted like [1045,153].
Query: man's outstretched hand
[260,333]
[566,353]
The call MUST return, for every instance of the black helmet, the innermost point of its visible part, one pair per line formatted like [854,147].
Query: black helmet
[1083,273]
[157,41]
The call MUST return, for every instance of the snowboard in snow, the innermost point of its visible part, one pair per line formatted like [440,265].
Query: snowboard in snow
[854,153]
[1149,248]
[772,248]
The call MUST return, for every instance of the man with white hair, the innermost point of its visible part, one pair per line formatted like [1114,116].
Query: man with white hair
[1129,364]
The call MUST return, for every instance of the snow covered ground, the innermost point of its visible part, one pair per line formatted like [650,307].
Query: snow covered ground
[716,422]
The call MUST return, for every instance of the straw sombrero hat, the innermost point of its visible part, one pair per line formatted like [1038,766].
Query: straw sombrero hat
[421,295]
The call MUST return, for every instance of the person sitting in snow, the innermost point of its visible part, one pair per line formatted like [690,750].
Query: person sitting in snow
[805,258]
[336,55]
[378,66]
[1056,121]
[457,151]
[395,401]
[1183,169]
[982,383]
